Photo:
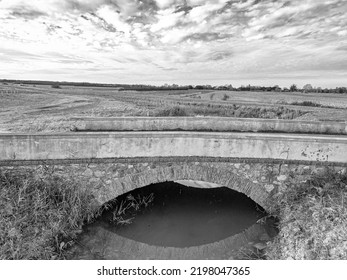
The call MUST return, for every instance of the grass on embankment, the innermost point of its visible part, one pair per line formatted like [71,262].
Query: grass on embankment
[40,214]
[313,220]
[238,111]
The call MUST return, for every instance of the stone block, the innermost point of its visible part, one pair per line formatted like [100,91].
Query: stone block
[282,177]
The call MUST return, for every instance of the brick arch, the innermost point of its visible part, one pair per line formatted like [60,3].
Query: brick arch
[220,176]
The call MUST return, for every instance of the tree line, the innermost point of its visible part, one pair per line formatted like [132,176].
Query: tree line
[142,87]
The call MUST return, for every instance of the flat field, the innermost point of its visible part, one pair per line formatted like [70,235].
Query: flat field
[39,108]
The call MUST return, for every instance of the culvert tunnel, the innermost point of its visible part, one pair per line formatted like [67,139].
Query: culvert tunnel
[183,219]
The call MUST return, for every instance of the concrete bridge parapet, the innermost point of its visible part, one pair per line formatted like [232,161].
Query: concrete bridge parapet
[222,124]
[112,163]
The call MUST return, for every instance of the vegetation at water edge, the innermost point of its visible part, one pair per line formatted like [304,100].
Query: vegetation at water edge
[41,213]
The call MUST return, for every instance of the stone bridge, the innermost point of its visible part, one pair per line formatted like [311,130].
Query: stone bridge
[113,156]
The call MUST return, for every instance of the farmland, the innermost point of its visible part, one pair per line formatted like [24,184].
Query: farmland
[41,108]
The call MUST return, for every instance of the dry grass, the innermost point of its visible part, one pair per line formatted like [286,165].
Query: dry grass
[40,214]
[313,220]
[124,212]
[237,111]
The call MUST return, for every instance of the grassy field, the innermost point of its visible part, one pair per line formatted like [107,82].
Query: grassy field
[34,108]
[41,214]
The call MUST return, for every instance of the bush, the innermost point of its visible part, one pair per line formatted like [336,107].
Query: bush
[232,110]
[225,97]
[306,103]
[172,111]
[55,86]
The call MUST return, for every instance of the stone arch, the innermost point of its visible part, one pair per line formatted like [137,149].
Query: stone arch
[211,174]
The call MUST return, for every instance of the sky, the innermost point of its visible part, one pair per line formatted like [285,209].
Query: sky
[217,42]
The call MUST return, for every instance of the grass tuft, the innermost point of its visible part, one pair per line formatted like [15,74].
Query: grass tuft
[125,211]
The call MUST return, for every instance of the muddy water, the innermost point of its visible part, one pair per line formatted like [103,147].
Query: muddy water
[179,217]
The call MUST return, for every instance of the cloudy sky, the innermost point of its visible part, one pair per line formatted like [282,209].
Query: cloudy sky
[262,42]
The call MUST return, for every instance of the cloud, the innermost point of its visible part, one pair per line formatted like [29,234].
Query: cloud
[220,55]
[247,37]
[163,4]
[26,12]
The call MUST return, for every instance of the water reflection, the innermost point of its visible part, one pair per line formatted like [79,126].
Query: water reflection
[179,217]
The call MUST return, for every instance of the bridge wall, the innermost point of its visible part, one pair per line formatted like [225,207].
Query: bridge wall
[109,164]
[107,180]
[330,149]
[222,124]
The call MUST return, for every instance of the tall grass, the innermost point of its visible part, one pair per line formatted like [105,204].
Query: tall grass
[237,111]
[173,111]
[40,214]
[313,219]
[124,211]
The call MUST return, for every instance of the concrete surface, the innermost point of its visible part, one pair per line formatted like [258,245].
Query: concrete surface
[209,124]
[173,144]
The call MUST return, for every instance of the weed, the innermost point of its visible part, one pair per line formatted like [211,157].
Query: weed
[239,111]
[172,111]
[306,103]
[120,215]
[40,214]
[313,219]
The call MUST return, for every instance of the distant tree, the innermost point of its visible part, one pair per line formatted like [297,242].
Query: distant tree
[277,88]
[293,87]
[229,86]
[307,88]
[341,90]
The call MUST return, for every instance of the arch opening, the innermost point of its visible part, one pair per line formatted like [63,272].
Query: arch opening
[201,183]
[171,214]
[184,173]
[199,221]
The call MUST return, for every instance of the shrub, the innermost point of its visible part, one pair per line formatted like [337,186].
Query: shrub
[306,103]
[225,97]
[172,111]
